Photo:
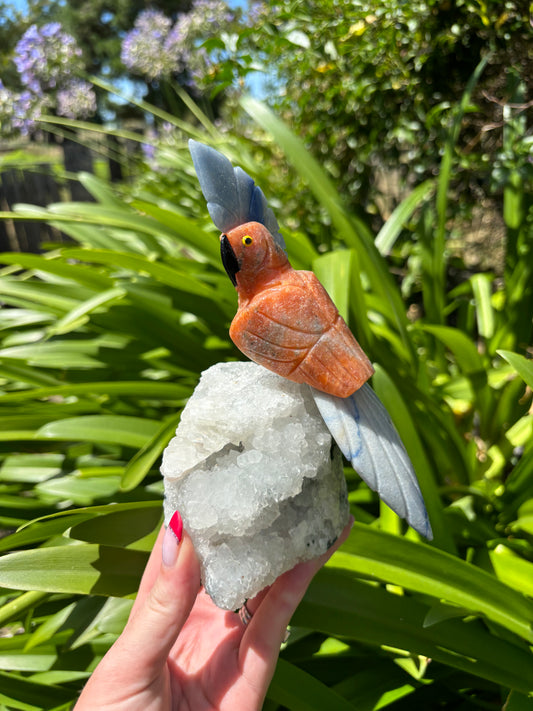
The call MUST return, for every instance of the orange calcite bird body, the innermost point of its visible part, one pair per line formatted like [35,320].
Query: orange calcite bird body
[286,320]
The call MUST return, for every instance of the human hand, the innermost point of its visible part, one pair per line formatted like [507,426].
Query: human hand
[179,651]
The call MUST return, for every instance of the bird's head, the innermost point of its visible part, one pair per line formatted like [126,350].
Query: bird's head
[251,256]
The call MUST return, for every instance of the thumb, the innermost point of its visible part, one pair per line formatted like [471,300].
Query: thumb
[155,624]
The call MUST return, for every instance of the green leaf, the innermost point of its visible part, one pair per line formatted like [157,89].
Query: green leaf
[56,524]
[31,468]
[481,286]
[520,482]
[79,315]
[427,570]
[17,607]
[66,353]
[378,684]
[34,533]
[144,389]
[170,275]
[338,604]
[100,190]
[443,188]
[518,702]
[144,228]
[512,569]
[184,229]
[17,318]
[463,348]
[145,458]
[49,627]
[513,200]
[114,429]
[392,229]
[55,299]
[299,691]
[333,270]
[55,265]
[12,369]
[120,528]
[16,690]
[85,569]
[80,490]
[110,619]
[441,611]
[523,366]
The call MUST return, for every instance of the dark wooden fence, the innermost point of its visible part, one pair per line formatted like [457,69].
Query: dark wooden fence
[37,186]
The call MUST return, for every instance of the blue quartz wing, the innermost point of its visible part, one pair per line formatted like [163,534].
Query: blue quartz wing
[232,196]
[364,432]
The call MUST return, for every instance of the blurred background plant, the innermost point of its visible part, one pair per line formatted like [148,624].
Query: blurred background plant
[396,153]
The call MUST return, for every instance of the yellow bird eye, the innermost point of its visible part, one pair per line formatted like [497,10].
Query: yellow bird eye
[247,240]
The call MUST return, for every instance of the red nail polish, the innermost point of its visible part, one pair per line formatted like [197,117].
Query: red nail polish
[176,525]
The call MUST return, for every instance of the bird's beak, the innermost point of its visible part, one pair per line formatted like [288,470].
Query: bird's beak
[229,259]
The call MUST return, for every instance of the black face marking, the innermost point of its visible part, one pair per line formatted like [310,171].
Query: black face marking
[229,260]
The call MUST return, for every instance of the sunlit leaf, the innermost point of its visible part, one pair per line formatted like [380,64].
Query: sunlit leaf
[425,569]
[338,604]
[129,431]
[145,458]
[333,271]
[88,569]
[391,230]
[523,366]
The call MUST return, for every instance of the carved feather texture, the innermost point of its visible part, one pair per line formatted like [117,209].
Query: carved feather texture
[366,436]
[232,196]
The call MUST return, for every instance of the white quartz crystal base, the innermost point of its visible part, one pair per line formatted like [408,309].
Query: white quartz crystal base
[255,477]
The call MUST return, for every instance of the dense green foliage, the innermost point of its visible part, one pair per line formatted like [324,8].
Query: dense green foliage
[371,85]
[102,342]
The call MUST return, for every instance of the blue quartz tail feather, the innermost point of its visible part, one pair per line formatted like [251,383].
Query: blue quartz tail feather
[366,436]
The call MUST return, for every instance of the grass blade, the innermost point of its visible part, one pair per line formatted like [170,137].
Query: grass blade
[392,229]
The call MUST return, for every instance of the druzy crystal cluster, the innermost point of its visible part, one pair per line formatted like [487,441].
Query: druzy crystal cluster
[255,475]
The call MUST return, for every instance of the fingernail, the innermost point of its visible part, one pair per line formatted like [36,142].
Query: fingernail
[176,524]
[171,539]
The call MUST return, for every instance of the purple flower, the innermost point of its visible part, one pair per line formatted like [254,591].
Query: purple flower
[154,23]
[154,48]
[19,112]
[149,149]
[144,49]
[48,60]
[175,40]
[45,56]
[77,100]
